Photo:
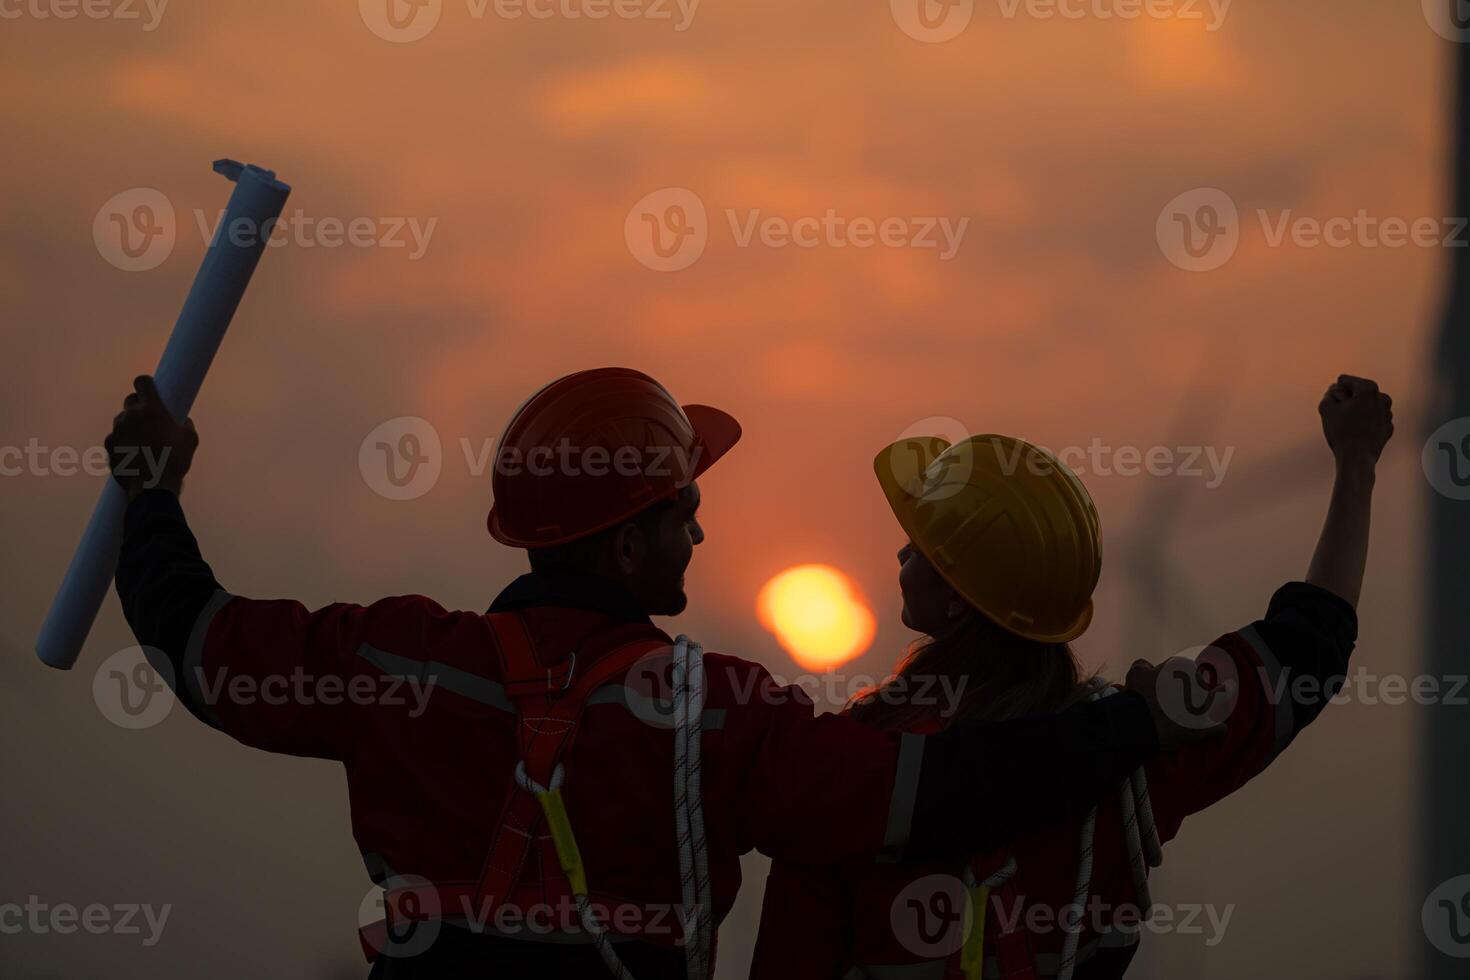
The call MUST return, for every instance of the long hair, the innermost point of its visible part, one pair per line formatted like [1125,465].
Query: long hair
[977,671]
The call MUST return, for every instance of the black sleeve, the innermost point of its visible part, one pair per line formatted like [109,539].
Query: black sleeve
[1311,632]
[983,785]
[162,580]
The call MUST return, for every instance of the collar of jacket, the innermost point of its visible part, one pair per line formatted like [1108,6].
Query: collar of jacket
[570,590]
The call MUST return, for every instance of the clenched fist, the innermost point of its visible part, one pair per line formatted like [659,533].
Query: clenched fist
[147,448]
[1357,419]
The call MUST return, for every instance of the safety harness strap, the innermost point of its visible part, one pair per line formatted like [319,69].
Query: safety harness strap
[1011,945]
[550,702]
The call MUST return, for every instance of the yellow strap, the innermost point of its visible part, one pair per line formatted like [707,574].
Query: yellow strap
[972,956]
[564,840]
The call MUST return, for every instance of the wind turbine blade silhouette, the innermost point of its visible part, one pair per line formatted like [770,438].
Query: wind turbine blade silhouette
[1163,608]
[1293,469]
[1159,597]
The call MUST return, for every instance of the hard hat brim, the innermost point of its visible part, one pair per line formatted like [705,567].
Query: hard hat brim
[900,468]
[717,431]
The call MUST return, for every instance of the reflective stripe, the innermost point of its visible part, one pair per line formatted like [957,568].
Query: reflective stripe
[1277,682]
[458,919]
[655,712]
[194,660]
[905,794]
[658,712]
[461,682]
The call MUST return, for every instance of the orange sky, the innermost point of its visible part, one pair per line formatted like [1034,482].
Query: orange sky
[527,142]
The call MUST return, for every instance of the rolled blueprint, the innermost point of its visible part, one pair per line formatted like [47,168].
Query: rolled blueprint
[228,263]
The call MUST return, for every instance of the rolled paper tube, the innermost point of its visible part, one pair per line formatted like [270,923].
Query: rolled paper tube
[228,263]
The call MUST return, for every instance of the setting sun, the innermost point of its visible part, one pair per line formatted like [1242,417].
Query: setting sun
[817,615]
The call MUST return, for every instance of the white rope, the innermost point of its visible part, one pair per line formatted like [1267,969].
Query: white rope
[694,881]
[688,816]
[1141,835]
[999,876]
[530,785]
[610,958]
[1153,850]
[1079,900]
[688,812]
[696,813]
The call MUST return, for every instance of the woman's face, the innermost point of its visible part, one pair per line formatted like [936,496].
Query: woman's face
[930,605]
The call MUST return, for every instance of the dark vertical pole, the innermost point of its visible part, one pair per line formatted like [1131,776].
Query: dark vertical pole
[1445,817]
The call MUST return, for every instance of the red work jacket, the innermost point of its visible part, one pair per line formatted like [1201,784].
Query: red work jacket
[407,697]
[907,922]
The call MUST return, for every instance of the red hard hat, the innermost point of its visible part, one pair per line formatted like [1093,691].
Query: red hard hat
[594,448]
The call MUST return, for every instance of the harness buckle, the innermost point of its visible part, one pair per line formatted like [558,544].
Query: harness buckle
[571,671]
[558,680]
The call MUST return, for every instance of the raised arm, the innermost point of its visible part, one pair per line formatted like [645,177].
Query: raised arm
[1358,421]
[1283,669]
[162,580]
[265,672]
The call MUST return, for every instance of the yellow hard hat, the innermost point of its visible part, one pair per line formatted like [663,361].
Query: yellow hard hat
[1006,523]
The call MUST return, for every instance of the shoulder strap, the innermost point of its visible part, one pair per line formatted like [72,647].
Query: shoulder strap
[550,702]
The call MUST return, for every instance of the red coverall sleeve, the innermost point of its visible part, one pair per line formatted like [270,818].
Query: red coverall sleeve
[817,789]
[277,676]
[1283,670]
[806,924]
